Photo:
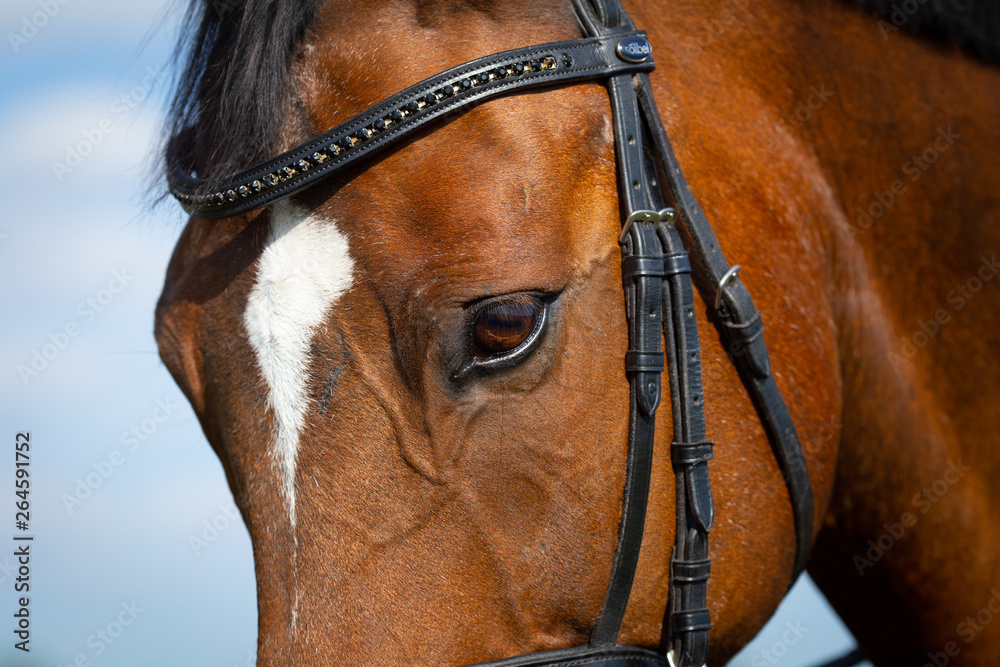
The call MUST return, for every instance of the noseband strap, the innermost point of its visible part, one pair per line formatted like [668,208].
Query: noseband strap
[659,299]
[607,656]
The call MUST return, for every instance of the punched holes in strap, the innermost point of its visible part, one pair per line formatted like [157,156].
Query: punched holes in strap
[690,571]
[690,453]
[690,621]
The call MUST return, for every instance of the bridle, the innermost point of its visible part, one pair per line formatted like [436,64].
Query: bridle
[656,273]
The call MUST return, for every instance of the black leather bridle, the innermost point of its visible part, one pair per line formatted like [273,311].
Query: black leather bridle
[658,289]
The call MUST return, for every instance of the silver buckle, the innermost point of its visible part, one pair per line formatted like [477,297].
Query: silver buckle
[670,659]
[664,216]
[729,275]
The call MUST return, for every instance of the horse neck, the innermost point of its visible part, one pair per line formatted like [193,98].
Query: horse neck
[879,147]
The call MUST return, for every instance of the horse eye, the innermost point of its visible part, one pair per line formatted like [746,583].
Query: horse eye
[504,323]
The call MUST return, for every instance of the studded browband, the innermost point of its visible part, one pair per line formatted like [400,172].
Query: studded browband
[659,295]
[396,118]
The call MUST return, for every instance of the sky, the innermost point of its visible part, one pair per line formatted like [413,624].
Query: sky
[138,557]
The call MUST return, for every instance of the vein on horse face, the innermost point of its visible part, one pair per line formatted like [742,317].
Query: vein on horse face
[303,270]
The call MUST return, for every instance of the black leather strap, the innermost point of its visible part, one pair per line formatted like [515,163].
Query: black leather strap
[644,365]
[392,119]
[676,262]
[690,453]
[608,656]
[644,308]
[693,570]
[691,621]
[688,619]
[744,332]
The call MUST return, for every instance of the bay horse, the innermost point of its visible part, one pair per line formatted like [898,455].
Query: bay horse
[401,514]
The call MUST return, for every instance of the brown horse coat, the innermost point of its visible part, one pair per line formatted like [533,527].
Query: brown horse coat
[400,519]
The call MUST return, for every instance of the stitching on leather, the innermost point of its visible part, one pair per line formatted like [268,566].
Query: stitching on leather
[634,659]
[192,186]
[373,112]
[379,141]
[392,102]
[639,660]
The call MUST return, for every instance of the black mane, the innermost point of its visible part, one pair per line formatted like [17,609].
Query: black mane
[231,96]
[971,25]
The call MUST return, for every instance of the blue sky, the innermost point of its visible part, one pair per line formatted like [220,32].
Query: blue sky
[123,481]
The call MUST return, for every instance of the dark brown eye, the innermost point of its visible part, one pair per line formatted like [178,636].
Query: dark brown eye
[504,323]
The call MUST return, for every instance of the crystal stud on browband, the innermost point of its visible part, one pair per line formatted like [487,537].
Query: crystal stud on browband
[347,142]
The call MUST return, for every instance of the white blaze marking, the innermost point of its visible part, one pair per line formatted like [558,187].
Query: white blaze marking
[304,269]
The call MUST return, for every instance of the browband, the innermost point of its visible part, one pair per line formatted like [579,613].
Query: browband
[397,117]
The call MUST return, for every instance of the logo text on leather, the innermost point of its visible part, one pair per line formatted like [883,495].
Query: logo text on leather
[634,49]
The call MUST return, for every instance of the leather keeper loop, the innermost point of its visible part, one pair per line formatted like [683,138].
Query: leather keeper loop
[746,331]
[689,621]
[643,265]
[690,571]
[690,453]
[643,362]
[675,263]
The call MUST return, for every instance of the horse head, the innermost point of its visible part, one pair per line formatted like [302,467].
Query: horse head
[413,372]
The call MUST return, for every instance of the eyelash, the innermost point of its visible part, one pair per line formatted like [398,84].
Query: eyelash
[473,365]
